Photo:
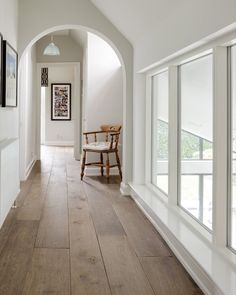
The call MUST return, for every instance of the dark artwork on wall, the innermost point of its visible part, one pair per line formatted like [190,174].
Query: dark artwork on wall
[61,102]
[1,68]
[9,75]
[44,77]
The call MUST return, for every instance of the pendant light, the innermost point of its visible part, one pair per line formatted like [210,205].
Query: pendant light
[51,49]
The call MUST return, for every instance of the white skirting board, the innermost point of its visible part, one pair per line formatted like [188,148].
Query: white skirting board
[30,167]
[9,175]
[59,143]
[198,273]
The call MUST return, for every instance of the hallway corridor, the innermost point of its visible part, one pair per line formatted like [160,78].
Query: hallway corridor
[73,237]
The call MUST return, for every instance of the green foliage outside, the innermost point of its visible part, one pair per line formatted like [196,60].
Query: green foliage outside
[190,144]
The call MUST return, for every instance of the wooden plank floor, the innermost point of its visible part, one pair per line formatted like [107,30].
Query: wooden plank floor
[83,238]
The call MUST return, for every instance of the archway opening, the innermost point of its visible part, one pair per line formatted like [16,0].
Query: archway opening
[81,120]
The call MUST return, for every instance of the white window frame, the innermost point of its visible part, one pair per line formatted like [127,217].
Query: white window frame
[230,120]
[219,48]
[179,117]
[149,118]
[151,184]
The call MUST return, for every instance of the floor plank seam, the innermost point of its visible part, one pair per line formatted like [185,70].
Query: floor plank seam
[44,201]
[103,262]
[111,248]
[145,274]
[70,274]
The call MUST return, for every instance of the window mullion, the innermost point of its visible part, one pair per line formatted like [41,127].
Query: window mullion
[148,146]
[220,137]
[173,135]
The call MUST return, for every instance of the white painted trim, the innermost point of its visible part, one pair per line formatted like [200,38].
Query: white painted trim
[78,112]
[203,267]
[148,141]
[29,168]
[125,189]
[59,143]
[173,136]
[220,145]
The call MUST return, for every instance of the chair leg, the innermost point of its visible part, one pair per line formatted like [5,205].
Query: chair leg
[118,163]
[83,165]
[101,158]
[107,168]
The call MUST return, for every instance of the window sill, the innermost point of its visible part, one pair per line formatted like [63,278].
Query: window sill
[213,268]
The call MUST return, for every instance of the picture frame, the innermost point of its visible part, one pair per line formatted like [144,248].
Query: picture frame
[9,75]
[1,73]
[61,101]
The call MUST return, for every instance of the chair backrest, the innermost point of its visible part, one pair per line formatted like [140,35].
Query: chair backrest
[115,128]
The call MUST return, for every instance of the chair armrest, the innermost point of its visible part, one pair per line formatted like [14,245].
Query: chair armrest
[115,134]
[93,132]
[86,134]
[114,140]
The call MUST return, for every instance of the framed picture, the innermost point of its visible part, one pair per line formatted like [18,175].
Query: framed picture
[1,39]
[9,75]
[61,101]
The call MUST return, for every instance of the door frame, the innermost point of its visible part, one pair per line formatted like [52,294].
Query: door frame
[78,111]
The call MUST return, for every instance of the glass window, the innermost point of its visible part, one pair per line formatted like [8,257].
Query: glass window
[160,131]
[196,137]
[233,148]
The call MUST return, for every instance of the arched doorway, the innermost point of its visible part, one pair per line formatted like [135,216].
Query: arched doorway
[127,95]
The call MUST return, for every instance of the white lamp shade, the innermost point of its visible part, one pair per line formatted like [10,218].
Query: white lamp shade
[51,49]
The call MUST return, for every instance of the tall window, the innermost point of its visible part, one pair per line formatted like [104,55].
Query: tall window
[232,235]
[196,138]
[160,131]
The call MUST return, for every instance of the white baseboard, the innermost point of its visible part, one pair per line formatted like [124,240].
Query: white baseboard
[95,171]
[29,168]
[59,143]
[125,189]
[199,275]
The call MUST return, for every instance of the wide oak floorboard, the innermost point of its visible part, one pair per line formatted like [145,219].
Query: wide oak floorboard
[15,257]
[49,273]
[82,238]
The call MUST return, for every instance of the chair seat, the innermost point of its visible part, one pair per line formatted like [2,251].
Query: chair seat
[98,146]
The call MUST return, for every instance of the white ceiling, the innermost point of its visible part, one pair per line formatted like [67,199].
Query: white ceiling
[136,17]
[79,36]
[61,33]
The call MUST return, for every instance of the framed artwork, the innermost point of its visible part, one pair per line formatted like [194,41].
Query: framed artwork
[1,39]
[9,75]
[61,101]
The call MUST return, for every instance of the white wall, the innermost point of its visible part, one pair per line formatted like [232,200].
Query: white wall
[103,103]
[183,25]
[103,99]
[28,105]
[39,18]
[61,69]
[8,28]
[59,132]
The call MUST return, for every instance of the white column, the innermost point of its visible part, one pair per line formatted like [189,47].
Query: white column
[38,114]
[139,139]
[77,113]
[220,129]
[148,131]
[127,148]
[173,135]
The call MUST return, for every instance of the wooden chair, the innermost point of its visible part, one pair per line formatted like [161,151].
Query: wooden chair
[110,145]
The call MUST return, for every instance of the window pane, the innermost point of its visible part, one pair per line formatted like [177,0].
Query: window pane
[160,131]
[196,108]
[207,150]
[190,146]
[233,188]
